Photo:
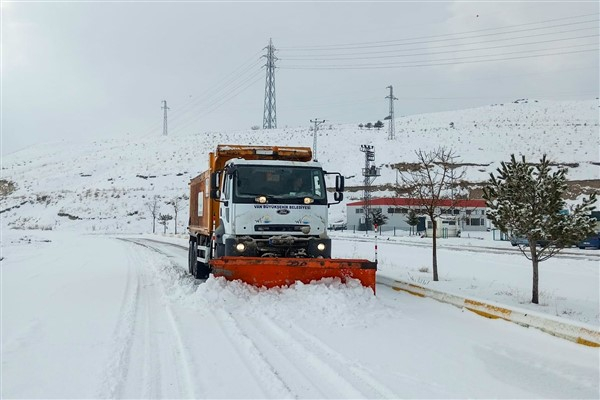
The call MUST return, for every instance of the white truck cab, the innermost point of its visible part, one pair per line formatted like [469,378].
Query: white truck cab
[273,208]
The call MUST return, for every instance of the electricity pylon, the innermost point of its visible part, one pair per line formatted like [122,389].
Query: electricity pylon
[392,128]
[370,172]
[164,107]
[317,123]
[270,113]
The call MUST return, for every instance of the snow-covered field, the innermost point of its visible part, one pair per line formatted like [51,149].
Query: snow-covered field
[94,307]
[97,316]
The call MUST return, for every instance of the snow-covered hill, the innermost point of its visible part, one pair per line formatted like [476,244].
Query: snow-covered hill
[104,185]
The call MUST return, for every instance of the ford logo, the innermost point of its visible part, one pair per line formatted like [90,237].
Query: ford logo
[283,211]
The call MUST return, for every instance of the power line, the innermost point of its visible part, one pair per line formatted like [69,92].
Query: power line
[209,100]
[214,100]
[224,99]
[386,43]
[488,55]
[220,101]
[369,55]
[433,63]
[223,85]
[182,112]
[242,87]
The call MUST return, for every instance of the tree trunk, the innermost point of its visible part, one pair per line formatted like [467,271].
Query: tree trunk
[434,250]
[534,263]
[176,223]
[153,224]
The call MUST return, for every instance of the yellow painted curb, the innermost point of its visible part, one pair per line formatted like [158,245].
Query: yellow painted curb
[578,333]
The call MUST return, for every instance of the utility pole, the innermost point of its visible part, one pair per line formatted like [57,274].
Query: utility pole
[164,107]
[270,113]
[317,123]
[392,128]
[370,172]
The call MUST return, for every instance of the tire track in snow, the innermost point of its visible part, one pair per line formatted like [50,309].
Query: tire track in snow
[160,367]
[255,361]
[116,368]
[313,367]
[252,360]
[361,374]
[298,379]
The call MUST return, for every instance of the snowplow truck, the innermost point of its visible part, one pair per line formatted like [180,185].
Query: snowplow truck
[259,214]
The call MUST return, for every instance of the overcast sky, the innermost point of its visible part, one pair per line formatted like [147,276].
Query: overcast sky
[101,69]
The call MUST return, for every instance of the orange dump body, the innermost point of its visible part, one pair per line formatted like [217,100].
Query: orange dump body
[273,272]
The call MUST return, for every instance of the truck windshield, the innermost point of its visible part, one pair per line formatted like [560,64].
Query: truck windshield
[281,183]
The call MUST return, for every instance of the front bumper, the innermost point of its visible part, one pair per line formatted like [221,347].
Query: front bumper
[278,246]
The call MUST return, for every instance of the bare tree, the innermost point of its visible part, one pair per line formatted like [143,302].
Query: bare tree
[175,202]
[153,207]
[435,177]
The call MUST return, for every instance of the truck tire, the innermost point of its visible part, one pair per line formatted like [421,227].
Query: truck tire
[199,269]
[191,253]
[202,270]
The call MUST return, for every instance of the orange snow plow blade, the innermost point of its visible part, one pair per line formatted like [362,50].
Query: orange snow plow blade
[272,272]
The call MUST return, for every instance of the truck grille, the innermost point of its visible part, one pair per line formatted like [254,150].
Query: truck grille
[278,228]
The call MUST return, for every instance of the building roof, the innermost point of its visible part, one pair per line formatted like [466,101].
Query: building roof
[400,201]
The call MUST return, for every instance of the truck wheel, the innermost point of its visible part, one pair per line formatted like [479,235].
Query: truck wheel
[191,254]
[202,270]
[199,269]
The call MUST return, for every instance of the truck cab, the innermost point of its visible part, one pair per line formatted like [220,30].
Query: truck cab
[272,208]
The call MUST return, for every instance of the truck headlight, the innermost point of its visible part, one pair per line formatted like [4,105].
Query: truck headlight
[321,246]
[308,200]
[261,199]
[240,247]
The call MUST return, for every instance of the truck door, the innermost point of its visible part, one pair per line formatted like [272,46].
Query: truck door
[226,199]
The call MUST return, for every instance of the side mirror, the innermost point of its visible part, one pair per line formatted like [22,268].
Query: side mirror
[338,196]
[214,181]
[215,193]
[339,183]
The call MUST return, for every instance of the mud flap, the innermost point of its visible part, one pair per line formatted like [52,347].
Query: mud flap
[273,272]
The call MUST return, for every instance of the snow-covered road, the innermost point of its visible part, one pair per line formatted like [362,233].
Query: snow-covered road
[102,317]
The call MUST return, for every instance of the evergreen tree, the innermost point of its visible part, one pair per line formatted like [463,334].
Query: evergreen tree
[369,125]
[526,200]
[378,217]
[378,125]
[164,219]
[412,219]
[360,126]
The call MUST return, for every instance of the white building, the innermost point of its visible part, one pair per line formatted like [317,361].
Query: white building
[456,215]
